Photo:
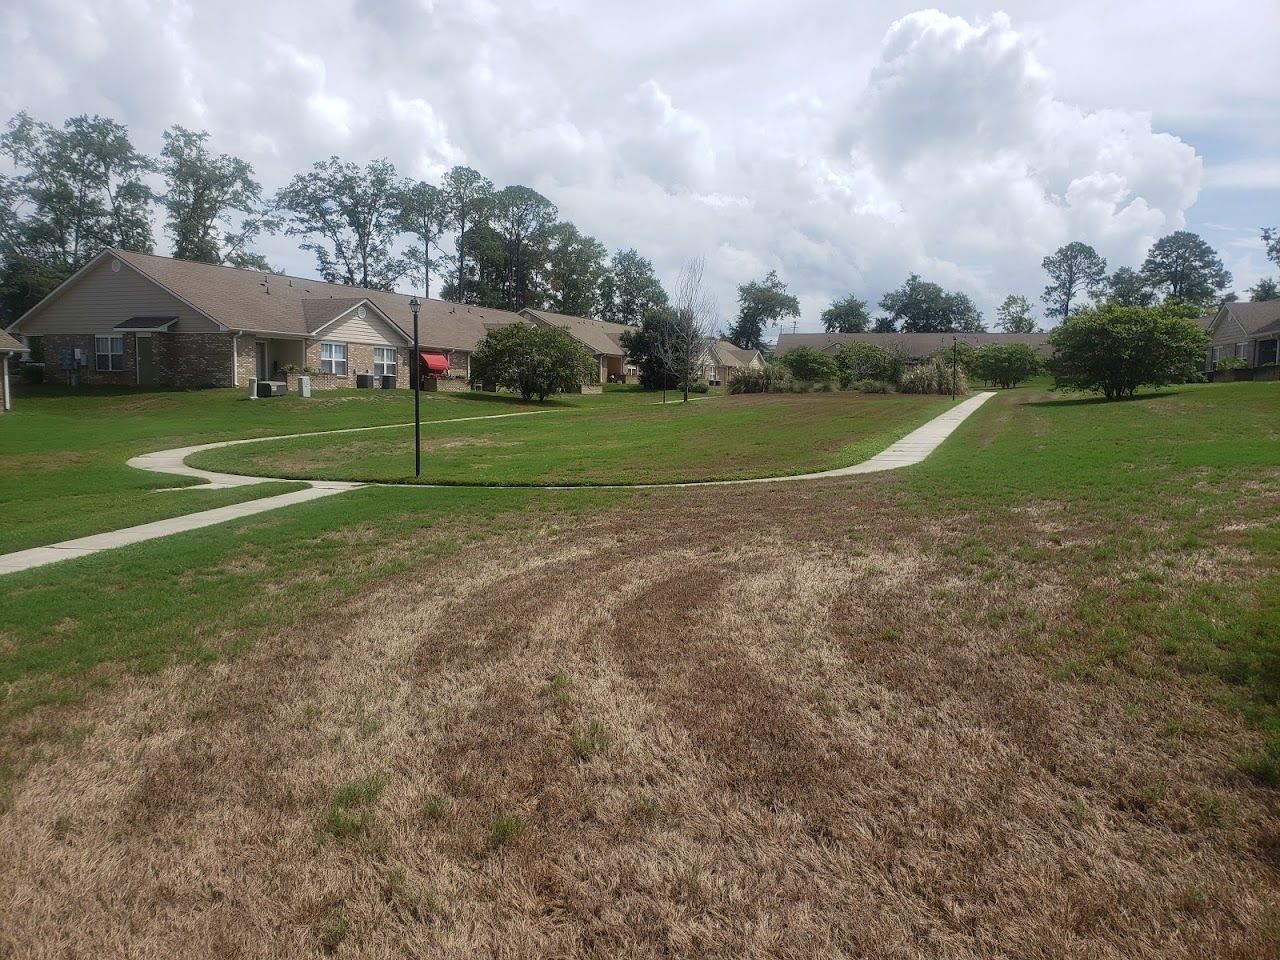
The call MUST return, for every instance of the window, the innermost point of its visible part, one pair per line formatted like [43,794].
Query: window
[333,358]
[109,353]
[1217,354]
[1242,350]
[384,361]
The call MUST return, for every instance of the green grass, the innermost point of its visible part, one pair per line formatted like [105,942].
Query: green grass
[1153,484]
[718,439]
[63,470]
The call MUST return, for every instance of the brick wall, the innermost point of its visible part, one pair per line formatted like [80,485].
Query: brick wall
[359,360]
[52,344]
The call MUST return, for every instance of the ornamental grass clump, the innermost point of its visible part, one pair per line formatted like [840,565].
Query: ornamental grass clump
[934,376]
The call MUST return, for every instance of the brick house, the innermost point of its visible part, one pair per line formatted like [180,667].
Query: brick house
[128,319]
[600,338]
[9,348]
[1248,332]
[722,359]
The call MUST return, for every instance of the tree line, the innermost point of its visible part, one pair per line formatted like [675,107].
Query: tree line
[1180,268]
[82,186]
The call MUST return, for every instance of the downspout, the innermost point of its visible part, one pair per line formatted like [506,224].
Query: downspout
[235,358]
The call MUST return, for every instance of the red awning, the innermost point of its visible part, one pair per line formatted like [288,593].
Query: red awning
[436,362]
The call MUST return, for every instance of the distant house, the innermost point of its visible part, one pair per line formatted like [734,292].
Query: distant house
[915,346]
[1249,332]
[723,359]
[601,339]
[9,348]
[130,319]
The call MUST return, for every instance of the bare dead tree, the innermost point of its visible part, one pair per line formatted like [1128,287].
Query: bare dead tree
[684,337]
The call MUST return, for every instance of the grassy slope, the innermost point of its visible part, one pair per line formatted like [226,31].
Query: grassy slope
[729,438]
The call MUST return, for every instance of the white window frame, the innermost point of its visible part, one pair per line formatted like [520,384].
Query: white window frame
[384,368]
[1242,350]
[113,353]
[336,361]
[1217,352]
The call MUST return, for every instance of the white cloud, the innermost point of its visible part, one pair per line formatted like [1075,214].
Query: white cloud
[845,145]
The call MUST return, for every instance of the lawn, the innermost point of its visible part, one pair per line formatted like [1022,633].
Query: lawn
[1019,700]
[716,439]
[63,472]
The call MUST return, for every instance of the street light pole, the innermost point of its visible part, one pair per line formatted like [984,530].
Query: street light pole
[415,367]
[955,349]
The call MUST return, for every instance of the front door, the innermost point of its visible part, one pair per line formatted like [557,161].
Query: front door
[262,360]
[146,360]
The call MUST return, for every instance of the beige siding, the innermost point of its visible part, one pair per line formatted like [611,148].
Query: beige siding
[101,298]
[352,329]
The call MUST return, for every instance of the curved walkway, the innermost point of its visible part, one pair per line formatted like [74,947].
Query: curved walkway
[911,449]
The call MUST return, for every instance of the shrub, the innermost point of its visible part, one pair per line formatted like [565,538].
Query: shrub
[963,354]
[769,378]
[32,372]
[867,361]
[933,376]
[871,386]
[1114,350]
[806,363]
[1228,363]
[1006,364]
[533,360]
[699,387]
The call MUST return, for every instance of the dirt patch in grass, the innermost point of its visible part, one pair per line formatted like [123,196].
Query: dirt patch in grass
[845,730]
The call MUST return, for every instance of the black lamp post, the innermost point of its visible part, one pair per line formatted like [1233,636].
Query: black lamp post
[415,306]
[955,350]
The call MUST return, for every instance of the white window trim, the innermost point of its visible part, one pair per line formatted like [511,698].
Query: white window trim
[1242,350]
[333,362]
[109,353]
[383,368]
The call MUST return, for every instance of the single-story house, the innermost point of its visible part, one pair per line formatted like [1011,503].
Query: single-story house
[916,347]
[1249,332]
[722,358]
[9,348]
[129,318]
[602,339]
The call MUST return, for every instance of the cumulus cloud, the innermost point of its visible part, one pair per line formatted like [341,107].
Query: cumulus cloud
[845,151]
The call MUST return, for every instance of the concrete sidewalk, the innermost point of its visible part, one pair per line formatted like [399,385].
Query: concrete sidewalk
[87,546]
[911,449]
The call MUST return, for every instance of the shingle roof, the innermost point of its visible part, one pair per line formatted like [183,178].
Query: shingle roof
[1261,317]
[9,344]
[272,303]
[914,345]
[731,355]
[599,336]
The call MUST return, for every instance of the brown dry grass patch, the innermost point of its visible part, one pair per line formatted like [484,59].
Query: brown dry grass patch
[823,738]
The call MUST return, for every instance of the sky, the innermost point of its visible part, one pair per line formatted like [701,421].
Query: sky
[844,145]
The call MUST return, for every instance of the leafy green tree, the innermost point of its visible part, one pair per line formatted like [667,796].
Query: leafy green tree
[1186,268]
[810,365]
[484,271]
[576,267]
[531,359]
[642,346]
[349,216]
[424,215]
[1129,288]
[1016,315]
[869,361]
[1005,364]
[1266,289]
[74,190]
[468,202]
[523,219]
[923,307]
[884,324]
[1271,237]
[214,204]
[846,315]
[761,304]
[1115,350]
[1076,272]
[630,291]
